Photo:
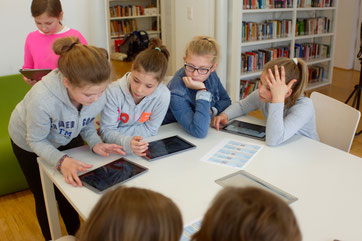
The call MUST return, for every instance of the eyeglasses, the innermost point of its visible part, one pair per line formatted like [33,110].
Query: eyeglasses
[191,68]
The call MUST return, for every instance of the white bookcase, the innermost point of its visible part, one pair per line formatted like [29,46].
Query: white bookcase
[150,21]
[236,46]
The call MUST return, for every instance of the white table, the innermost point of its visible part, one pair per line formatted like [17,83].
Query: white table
[327,182]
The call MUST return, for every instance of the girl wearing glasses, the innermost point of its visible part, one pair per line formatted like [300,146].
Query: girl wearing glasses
[197,94]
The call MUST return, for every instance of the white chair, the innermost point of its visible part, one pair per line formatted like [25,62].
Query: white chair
[336,121]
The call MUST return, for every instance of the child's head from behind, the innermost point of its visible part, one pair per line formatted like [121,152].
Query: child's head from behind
[48,15]
[133,214]
[248,214]
[86,69]
[148,69]
[294,69]
[201,57]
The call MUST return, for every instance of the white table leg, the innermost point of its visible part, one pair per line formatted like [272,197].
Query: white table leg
[51,205]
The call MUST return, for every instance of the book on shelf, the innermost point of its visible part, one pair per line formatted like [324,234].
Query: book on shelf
[125,11]
[121,27]
[270,29]
[255,60]
[265,4]
[316,74]
[314,3]
[310,51]
[309,26]
[247,87]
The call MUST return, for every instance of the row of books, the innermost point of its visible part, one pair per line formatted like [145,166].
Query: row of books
[308,26]
[271,29]
[124,11]
[316,74]
[255,60]
[314,3]
[121,27]
[310,51]
[247,87]
[262,4]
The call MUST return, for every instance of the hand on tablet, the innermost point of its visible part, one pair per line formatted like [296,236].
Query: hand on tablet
[104,149]
[29,81]
[219,120]
[70,168]
[139,147]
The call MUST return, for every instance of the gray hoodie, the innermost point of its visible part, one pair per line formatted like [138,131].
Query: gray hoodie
[122,119]
[46,119]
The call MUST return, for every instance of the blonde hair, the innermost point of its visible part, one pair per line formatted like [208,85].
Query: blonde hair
[133,214]
[154,59]
[248,214]
[202,46]
[82,64]
[297,71]
[52,7]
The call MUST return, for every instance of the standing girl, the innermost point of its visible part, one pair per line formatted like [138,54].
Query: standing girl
[137,103]
[281,99]
[52,115]
[196,91]
[39,54]
[248,214]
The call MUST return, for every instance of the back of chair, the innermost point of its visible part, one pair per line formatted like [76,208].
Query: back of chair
[336,121]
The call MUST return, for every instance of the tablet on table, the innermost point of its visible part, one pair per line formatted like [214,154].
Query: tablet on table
[166,147]
[245,129]
[34,74]
[116,172]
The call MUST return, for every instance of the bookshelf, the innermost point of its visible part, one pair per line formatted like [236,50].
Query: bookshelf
[306,31]
[125,16]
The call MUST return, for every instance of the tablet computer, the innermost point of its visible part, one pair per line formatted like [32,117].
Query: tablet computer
[34,74]
[116,172]
[166,147]
[245,179]
[245,129]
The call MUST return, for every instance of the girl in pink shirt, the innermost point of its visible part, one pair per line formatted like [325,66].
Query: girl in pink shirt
[39,53]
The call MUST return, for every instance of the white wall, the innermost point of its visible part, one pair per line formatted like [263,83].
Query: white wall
[346,33]
[357,62]
[86,16]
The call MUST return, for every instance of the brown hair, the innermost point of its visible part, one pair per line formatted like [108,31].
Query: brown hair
[203,45]
[133,214]
[82,64]
[248,214]
[52,7]
[154,59]
[297,71]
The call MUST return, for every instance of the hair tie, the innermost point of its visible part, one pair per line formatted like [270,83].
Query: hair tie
[157,48]
[295,61]
[72,45]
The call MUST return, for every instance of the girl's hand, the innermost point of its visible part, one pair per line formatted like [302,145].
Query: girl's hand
[220,119]
[139,147]
[191,84]
[278,88]
[104,149]
[29,81]
[70,168]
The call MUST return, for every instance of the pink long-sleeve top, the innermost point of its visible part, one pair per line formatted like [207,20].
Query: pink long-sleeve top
[39,48]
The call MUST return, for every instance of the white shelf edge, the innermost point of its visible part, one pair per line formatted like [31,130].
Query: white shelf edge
[314,36]
[133,17]
[316,9]
[245,75]
[267,10]
[259,42]
[150,32]
[316,85]
[317,61]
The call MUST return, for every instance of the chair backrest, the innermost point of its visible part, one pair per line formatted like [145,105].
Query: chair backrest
[336,122]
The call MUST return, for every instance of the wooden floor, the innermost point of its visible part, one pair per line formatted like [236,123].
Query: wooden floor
[17,213]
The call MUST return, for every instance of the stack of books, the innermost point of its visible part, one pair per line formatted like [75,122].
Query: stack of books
[125,11]
[310,51]
[270,29]
[122,27]
[316,74]
[263,4]
[314,3]
[247,87]
[308,26]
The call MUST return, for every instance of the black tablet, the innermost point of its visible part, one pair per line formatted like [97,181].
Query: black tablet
[167,146]
[34,74]
[116,172]
[245,129]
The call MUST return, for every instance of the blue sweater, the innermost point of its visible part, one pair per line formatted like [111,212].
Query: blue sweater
[191,108]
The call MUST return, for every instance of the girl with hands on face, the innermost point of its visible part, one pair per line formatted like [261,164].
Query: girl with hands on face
[280,97]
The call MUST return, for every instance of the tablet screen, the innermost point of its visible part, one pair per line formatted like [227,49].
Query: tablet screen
[244,128]
[118,171]
[34,74]
[167,146]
